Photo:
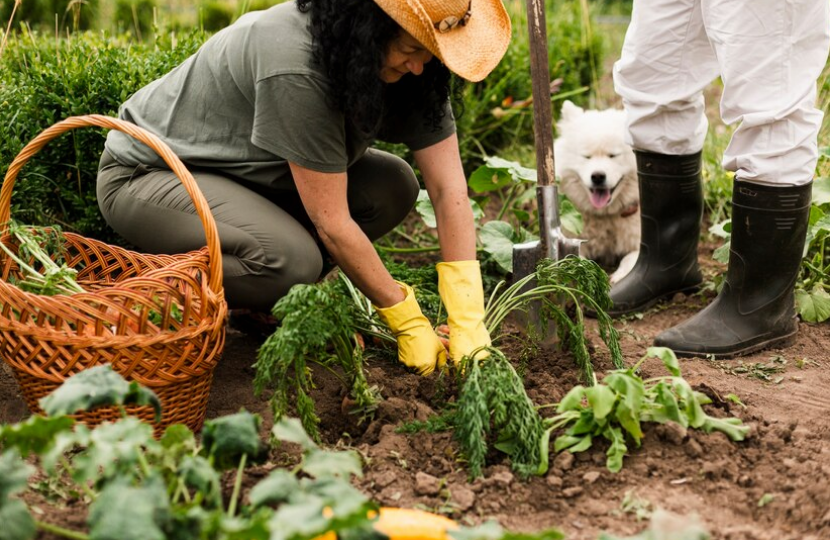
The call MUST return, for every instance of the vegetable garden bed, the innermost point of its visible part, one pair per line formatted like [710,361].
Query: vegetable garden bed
[773,485]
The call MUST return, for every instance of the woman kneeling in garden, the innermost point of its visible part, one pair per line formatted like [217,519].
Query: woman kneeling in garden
[275,115]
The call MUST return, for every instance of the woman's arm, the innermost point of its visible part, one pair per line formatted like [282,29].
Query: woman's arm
[324,198]
[446,184]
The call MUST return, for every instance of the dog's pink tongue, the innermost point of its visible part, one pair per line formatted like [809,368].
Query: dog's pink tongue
[600,197]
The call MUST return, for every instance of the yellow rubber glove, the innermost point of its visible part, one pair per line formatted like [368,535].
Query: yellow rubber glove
[459,284]
[418,345]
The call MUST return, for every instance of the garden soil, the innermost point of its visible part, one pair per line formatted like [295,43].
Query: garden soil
[773,486]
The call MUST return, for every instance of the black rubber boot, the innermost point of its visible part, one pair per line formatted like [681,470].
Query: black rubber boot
[671,207]
[756,306]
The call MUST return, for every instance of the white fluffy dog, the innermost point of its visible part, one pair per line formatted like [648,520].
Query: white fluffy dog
[598,174]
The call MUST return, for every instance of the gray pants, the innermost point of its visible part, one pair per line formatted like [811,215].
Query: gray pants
[268,242]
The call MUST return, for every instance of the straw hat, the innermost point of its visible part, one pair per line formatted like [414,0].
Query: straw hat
[468,36]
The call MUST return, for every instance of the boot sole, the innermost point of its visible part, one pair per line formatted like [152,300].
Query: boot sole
[780,341]
[654,301]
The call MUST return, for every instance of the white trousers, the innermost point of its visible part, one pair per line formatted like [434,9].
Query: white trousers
[769,54]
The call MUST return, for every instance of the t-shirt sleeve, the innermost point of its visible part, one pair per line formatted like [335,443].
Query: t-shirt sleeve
[414,128]
[293,120]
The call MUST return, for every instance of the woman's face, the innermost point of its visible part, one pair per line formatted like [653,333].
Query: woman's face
[405,55]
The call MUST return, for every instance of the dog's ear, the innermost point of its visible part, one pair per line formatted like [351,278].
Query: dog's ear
[570,111]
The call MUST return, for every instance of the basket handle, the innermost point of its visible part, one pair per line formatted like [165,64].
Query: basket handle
[164,151]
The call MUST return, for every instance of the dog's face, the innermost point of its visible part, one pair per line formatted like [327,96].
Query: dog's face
[597,169]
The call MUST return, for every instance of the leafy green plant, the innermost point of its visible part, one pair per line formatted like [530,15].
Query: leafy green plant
[139,488]
[318,323]
[39,255]
[493,401]
[615,410]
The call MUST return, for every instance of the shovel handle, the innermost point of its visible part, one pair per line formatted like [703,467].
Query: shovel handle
[540,78]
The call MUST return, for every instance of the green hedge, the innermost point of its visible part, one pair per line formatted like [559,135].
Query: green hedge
[41,84]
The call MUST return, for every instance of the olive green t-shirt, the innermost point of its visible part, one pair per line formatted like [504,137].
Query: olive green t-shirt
[250,100]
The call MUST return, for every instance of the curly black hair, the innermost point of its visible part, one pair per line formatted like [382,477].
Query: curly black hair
[350,41]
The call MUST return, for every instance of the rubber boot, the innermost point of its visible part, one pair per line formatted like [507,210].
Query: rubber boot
[671,208]
[756,306]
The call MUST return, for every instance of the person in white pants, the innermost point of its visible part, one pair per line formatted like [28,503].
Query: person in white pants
[769,54]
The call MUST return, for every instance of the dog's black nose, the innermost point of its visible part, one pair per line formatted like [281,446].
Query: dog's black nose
[598,178]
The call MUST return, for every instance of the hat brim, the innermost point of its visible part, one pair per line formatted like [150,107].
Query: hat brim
[471,51]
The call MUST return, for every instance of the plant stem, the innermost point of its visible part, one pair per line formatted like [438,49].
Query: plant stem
[237,485]
[428,249]
[60,531]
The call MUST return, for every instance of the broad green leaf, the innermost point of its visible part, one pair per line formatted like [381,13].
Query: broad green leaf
[98,386]
[228,438]
[669,407]
[14,473]
[276,488]
[586,424]
[497,238]
[489,530]
[689,401]
[616,452]
[114,449]
[821,190]
[425,209]
[602,399]
[668,358]
[291,430]
[731,427]
[18,523]
[321,463]
[198,473]
[299,519]
[721,254]
[572,400]
[629,387]
[813,306]
[36,434]
[126,512]
[569,217]
[178,435]
[485,179]
[629,420]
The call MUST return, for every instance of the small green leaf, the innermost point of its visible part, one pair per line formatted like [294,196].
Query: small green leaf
[629,420]
[276,488]
[18,523]
[36,434]
[813,306]
[321,463]
[228,438]
[569,217]
[572,400]
[291,430]
[602,400]
[765,499]
[721,254]
[114,449]
[95,387]
[669,407]
[668,358]
[571,443]
[616,452]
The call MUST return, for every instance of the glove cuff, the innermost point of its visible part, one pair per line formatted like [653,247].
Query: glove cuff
[398,315]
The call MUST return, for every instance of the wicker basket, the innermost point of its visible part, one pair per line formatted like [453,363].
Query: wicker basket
[46,339]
